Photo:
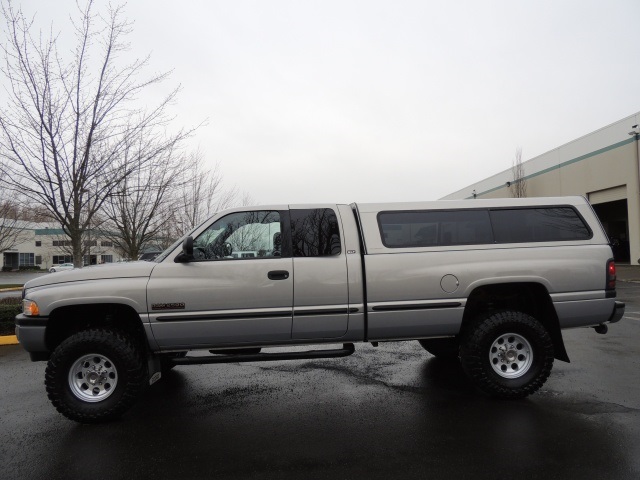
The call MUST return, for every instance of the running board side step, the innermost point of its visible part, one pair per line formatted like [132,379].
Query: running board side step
[346,350]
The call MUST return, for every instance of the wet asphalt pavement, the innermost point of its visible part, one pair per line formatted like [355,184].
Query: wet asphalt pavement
[17,278]
[387,412]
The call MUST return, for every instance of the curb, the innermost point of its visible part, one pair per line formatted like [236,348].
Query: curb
[8,340]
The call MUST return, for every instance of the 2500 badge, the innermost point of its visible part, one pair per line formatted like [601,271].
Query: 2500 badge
[167,306]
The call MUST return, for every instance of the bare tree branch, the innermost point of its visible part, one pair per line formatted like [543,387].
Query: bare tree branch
[200,195]
[12,224]
[518,186]
[137,214]
[67,131]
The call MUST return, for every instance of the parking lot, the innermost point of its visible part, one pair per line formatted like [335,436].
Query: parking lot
[387,412]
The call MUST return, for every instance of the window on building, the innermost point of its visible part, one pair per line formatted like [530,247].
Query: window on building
[106,243]
[315,232]
[27,260]
[90,243]
[58,259]
[38,243]
[107,258]
[38,259]
[62,243]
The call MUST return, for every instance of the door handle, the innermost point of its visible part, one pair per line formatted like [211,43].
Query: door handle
[278,275]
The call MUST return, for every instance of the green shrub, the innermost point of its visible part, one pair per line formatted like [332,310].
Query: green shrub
[7,315]
[7,328]
[10,301]
[22,268]
[9,308]
[8,312]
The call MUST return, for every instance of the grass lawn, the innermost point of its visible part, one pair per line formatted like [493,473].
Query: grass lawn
[11,285]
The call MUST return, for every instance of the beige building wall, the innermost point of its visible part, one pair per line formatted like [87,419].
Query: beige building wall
[601,166]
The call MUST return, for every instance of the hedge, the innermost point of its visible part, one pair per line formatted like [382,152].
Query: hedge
[23,268]
[9,308]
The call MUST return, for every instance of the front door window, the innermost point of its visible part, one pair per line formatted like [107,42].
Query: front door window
[240,235]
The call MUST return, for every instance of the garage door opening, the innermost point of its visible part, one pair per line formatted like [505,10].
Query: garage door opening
[614,217]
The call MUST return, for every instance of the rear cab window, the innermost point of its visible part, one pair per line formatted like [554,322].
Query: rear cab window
[315,232]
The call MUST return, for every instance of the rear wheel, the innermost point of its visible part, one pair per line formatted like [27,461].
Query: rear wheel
[95,375]
[443,348]
[507,354]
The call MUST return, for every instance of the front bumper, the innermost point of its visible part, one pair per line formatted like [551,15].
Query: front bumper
[31,335]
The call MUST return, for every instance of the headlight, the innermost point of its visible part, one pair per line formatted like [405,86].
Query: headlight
[30,308]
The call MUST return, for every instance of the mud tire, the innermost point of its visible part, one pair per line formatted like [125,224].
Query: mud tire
[476,354]
[125,356]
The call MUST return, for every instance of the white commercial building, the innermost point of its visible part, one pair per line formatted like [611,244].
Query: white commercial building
[603,166]
[41,245]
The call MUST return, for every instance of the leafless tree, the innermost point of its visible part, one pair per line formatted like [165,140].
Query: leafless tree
[137,215]
[518,184]
[12,225]
[200,195]
[68,122]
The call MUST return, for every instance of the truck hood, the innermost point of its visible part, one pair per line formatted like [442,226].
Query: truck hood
[95,272]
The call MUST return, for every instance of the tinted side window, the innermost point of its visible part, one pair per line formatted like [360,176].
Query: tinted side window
[538,225]
[435,228]
[315,233]
[240,235]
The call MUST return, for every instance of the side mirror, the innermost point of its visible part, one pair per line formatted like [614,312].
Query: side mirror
[187,251]
[187,246]
[227,249]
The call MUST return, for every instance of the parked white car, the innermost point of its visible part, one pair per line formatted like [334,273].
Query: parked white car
[61,267]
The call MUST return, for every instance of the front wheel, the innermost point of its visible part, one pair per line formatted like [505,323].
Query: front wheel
[95,375]
[507,354]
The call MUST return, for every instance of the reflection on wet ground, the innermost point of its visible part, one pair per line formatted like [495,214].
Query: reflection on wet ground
[387,412]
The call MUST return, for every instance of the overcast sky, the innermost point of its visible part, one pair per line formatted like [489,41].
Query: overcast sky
[342,101]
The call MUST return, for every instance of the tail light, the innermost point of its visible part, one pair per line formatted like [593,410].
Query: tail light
[611,275]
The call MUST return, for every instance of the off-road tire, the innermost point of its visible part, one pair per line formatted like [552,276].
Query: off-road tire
[442,348]
[476,354]
[124,356]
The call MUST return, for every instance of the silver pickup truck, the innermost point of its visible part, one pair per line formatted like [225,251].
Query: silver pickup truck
[489,283]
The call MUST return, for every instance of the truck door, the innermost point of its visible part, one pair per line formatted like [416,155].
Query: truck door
[238,288]
[321,293]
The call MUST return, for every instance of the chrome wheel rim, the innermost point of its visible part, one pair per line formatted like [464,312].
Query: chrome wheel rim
[93,378]
[510,355]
